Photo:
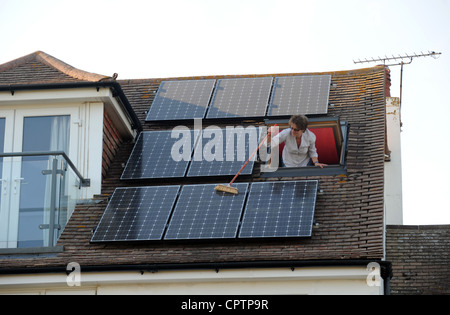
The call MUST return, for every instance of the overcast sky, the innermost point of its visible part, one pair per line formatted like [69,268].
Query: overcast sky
[159,39]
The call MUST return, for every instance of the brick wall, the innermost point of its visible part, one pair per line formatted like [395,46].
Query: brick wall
[420,257]
[111,143]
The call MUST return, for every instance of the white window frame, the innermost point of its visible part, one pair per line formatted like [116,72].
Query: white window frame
[8,114]
[12,169]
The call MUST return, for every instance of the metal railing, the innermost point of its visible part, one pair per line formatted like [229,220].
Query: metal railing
[84,182]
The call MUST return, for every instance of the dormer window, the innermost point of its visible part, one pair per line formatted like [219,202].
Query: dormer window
[331,145]
[32,199]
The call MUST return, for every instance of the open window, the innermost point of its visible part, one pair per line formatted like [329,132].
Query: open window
[331,145]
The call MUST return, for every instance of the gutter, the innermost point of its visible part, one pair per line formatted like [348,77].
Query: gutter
[113,85]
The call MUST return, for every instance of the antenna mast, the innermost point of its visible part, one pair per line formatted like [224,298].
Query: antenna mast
[400,60]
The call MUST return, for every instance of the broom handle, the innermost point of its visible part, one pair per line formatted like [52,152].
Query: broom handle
[245,164]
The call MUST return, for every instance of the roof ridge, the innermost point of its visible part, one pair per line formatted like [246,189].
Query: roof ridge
[260,75]
[68,69]
[56,64]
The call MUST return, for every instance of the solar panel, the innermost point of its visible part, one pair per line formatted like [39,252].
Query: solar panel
[136,214]
[240,97]
[185,99]
[202,212]
[160,154]
[279,209]
[295,95]
[224,151]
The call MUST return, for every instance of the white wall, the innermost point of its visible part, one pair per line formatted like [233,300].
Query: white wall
[311,281]
[91,146]
[393,168]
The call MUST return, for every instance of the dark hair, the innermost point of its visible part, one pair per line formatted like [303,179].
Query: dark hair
[300,120]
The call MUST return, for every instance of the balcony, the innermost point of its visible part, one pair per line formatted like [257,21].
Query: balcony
[39,191]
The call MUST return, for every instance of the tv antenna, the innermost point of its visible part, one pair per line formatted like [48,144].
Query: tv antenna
[399,60]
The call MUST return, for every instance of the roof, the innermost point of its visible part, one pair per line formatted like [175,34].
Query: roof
[40,68]
[349,212]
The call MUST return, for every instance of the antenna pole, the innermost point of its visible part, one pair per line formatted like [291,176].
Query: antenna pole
[401,92]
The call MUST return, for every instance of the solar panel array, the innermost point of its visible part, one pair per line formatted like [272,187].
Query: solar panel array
[191,212]
[156,154]
[260,210]
[176,100]
[300,95]
[240,98]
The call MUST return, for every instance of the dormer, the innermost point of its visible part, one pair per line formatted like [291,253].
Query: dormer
[60,127]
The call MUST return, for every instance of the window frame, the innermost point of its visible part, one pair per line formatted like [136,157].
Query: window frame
[340,129]
[12,169]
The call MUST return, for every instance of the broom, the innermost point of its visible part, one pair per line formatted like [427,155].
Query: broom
[233,190]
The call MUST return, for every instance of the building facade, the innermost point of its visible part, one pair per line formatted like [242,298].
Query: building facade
[97,121]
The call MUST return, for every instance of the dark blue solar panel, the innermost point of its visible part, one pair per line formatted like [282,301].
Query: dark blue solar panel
[279,209]
[240,97]
[224,151]
[160,154]
[202,212]
[295,95]
[184,99]
[136,214]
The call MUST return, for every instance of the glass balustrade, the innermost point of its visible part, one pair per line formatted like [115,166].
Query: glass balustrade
[39,192]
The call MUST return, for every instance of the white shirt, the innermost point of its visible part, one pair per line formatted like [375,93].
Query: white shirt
[293,155]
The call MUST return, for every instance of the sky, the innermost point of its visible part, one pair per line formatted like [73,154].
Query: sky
[177,38]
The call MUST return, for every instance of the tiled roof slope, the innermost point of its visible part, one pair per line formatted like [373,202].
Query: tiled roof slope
[41,68]
[420,256]
[349,212]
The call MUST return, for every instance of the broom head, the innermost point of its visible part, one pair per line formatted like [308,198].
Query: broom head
[227,189]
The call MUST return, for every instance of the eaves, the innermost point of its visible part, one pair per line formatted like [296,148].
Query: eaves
[113,85]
